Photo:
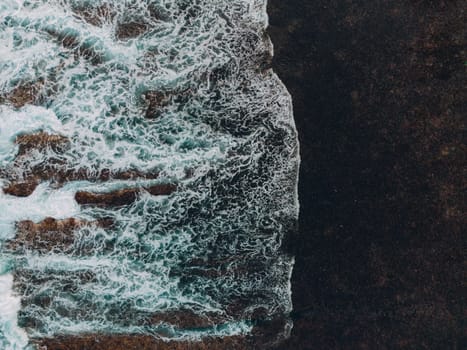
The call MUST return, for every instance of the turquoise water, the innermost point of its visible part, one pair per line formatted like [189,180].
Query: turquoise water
[228,124]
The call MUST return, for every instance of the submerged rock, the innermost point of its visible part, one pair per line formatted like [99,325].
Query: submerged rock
[138,342]
[41,141]
[27,93]
[121,197]
[50,233]
[25,187]
[130,30]
[25,278]
[80,48]
[187,319]
[24,178]
[155,100]
[96,16]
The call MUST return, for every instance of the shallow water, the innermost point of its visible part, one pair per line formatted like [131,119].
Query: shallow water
[226,137]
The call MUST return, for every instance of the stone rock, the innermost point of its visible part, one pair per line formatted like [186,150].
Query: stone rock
[24,179]
[138,342]
[21,189]
[130,30]
[50,233]
[41,141]
[121,197]
[96,16]
[27,93]
[186,319]
[155,100]
[80,48]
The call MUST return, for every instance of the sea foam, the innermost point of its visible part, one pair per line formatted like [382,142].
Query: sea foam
[225,136]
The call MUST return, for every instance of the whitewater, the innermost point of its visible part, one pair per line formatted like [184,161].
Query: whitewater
[183,90]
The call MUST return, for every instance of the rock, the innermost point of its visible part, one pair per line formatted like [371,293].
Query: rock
[41,141]
[79,47]
[27,93]
[121,197]
[24,279]
[96,16]
[25,187]
[112,199]
[130,30]
[155,100]
[138,342]
[131,174]
[50,233]
[186,319]
[21,189]
[24,180]
[161,190]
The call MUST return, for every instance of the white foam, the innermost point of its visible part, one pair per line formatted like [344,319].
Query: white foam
[14,338]
[44,202]
[26,120]
[10,5]
[222,132]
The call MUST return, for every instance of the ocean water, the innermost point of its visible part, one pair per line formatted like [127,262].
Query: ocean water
[224,135]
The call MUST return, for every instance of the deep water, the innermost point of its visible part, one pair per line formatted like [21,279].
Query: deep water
[225,136]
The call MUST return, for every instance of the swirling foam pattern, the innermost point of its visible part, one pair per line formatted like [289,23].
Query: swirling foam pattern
[213,246]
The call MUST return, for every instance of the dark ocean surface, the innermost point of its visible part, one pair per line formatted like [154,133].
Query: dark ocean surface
[380,105]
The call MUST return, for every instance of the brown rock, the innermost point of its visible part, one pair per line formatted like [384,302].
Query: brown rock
[138,342]
[155,100]
[80,48]
[24,94]
[161,190]
[96,16]
[41,141]
[50,233]
[130,30]
[121,197]
[21,189]
[116,198]
[131,175]
[25,278]
[58,174]
[186,319]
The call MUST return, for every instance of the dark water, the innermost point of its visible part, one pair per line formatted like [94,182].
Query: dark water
[380,108]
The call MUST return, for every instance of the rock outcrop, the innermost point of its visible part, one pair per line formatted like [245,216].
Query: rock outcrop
[50,233]
[138,342]
[79,47]
[24,178]
[22,188]
[24,94]
[155,100]
[41,141]
[379,101]
[121,197]
[130,30]
[95,15]
[187,319]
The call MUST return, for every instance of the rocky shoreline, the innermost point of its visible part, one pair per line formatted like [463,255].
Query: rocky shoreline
[379,102]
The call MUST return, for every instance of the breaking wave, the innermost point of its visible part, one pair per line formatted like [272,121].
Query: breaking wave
[178,88]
